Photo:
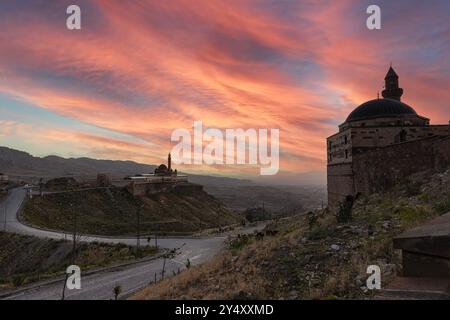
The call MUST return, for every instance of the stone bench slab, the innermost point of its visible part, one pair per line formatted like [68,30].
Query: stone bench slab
[432,238]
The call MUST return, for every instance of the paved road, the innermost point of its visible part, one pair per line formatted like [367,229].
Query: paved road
[99,286]
[131,278]
[17,196]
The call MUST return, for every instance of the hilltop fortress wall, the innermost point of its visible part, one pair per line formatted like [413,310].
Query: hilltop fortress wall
[379,169]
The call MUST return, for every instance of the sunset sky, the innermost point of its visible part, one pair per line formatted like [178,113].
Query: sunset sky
[140,69]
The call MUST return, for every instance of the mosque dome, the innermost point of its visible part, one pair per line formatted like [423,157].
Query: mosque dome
[381,108]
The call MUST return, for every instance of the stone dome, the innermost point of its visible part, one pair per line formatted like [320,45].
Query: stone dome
[381,108]
[162,167]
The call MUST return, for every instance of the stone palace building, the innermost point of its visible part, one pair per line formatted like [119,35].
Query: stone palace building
[382,142]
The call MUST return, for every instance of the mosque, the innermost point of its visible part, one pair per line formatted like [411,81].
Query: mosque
[382,142]
[163,179]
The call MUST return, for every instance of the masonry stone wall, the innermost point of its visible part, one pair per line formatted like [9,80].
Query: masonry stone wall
[373,170]
[137,189]
[342,145]
[339,148]
[442,150]
[382,168]
[148,188]
[340,183]
[382,136]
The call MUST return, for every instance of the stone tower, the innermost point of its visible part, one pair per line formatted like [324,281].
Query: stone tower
[392,90]
[381,142]
[169,163]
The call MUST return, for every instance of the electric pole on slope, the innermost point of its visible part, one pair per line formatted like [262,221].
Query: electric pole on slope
[5,210]
[138,227]
[74,244]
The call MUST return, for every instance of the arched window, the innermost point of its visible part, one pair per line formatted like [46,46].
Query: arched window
[403,135]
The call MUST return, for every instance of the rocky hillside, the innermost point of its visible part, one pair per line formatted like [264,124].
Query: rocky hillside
[278,200]
[113,211]
[312,256]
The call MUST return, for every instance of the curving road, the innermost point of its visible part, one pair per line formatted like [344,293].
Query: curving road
[100,285]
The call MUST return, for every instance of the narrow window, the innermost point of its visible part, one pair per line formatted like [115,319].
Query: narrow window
[403,136]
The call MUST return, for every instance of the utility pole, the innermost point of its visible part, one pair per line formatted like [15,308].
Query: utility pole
[74,247]
[64,288]
[164,268]
[5,210]
[41,185]
[63,296]
[138,235]
[156,235]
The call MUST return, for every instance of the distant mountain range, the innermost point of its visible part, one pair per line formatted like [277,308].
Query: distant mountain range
[22,164]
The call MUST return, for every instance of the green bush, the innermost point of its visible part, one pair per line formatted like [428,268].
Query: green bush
[344,214]
[412,188]
[411,216]
[240,242]
[442,207]
[320,232]
[18,280]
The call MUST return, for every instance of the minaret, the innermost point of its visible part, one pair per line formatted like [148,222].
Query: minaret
[169,163]
[392,90]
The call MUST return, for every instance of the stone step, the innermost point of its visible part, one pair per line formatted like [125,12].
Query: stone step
[410,288]
[426,249]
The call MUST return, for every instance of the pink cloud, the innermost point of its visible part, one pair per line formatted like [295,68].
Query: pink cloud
[161,65]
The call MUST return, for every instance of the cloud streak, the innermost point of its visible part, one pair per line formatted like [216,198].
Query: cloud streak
[148,67]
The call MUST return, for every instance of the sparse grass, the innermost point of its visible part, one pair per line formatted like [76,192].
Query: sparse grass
[299,263]
[412,216]
[319,232]
[26,259]
[241,242]
[442,206]
[113,213]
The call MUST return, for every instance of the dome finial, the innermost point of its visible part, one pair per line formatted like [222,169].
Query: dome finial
[392,89]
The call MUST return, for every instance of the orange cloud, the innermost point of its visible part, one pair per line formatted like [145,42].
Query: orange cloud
[161,65]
